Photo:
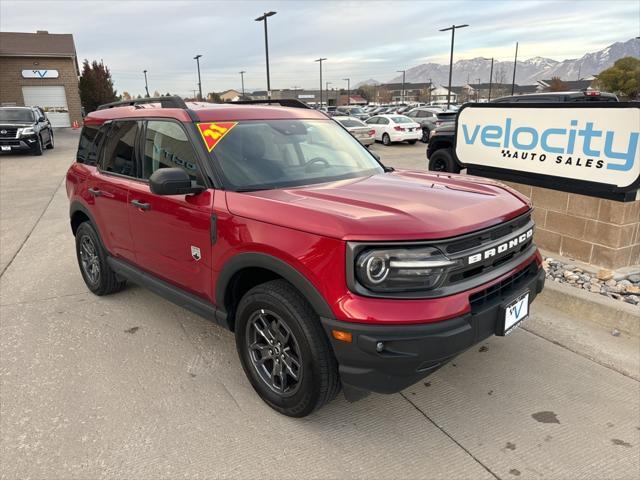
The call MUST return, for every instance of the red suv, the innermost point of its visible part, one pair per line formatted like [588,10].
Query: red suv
[332,270]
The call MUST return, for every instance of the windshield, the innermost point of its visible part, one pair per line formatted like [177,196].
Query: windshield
[265,154]
[15,115]
[351,122]
[402,119]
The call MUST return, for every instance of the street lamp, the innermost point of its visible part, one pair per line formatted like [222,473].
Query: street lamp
[478,91]
[197,59]
[453,35]
[242,72]
[320,60]
[327,87]
[146,86]
[403,72]
[348,80]
[266,47]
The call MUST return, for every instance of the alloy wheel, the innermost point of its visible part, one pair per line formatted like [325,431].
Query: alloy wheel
[274,352]
[89,260]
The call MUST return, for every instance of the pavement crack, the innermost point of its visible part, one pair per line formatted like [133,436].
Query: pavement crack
[477,460]
[35,224]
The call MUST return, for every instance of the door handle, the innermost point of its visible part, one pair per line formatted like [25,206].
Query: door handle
[141,205]
[95,192]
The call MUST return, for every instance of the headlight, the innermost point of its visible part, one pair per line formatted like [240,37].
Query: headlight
[27,131]
[401,269]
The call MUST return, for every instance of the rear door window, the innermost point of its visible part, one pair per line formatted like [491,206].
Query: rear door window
[119,153]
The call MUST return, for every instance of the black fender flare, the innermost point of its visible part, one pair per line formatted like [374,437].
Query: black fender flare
[77,206]
[280,267]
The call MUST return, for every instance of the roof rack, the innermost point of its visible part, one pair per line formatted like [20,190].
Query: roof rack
[165,102]
[285,102]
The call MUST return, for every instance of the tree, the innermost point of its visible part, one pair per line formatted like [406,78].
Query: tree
[213,97]
[384,95]
[156,94]
[557,85]
[367,92]
[126,95]
[622,79]
[95,85]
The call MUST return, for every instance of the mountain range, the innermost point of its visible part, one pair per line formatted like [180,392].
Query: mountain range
[528,71]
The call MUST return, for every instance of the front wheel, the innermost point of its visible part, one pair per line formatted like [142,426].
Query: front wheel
[425,135]
[50,144]
[37,149]
[442,161]
[284,351]
[386,139]
[412,142]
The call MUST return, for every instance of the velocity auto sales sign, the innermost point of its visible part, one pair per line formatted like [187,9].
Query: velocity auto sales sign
[588,148]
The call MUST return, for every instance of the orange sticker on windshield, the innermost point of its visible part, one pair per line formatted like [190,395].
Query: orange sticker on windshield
[212,133]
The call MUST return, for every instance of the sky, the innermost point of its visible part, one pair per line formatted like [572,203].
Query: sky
[360,39]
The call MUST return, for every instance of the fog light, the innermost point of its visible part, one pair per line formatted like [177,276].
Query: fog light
[379,346]
[31,140]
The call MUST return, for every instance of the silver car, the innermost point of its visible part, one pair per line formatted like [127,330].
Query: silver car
[365,134]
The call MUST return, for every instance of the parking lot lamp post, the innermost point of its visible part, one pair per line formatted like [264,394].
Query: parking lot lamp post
[348,80]
[490,80]
[320,60]
[515,64]
[453,36]
[478,91]
[197,59]
[242,72]
[403,72]
[266,47]
[146,86]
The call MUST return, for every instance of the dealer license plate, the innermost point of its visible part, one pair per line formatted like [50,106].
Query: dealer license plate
[5,148]
[515,312]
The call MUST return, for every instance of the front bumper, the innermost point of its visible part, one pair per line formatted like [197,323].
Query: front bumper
[18,144]
[412,352]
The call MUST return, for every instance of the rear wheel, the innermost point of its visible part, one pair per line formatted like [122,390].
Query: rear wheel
[386,139]
[442,161]
[92,259]
[284,351]
[50,144]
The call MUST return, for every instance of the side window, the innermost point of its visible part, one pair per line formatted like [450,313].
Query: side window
[166,145]
[119,150]
[372,121]
[383,121]
[87,137]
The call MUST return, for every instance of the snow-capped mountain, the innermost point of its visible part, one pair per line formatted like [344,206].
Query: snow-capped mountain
[528,71]
[371,81]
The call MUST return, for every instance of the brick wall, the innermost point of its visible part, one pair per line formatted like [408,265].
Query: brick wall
[11,81]
[593,230]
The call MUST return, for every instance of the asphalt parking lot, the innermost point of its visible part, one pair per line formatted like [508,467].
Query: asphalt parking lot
[132,386]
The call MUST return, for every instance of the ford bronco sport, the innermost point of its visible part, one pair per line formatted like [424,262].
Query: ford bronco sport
[332,270]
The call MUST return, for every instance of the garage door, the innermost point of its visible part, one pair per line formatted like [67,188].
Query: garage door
[52,100]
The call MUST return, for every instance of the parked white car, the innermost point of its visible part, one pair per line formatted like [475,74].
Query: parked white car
[395,128]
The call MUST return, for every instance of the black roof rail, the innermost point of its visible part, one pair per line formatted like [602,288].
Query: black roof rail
[285,102]
[165,102]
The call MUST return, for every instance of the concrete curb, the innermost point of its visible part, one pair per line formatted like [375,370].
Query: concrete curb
[594,307]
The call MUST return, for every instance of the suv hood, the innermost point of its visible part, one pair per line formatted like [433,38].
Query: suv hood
[401,205]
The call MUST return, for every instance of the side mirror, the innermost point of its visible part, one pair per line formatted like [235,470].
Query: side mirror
[42,119]
[172,181]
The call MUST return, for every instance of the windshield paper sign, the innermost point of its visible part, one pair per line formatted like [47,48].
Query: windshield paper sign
[212,133]
[587,143]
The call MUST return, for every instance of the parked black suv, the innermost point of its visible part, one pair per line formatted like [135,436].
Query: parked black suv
[441,156]
[24,129]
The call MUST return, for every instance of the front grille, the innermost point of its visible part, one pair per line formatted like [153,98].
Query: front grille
[503,289]
[8,132]
[476,240]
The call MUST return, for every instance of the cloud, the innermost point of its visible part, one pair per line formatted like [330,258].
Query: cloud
[361,39]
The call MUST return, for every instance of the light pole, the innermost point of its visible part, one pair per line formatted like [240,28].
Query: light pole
[453,36]
[242,72]
[327,87]
[348,80]
[403,72]
[478,91]
[490,80]
[266,47]
[197,59]
[146,86]
[320,60]
[515,64]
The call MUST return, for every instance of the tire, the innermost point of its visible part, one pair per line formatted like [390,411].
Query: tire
[412,142]
[92,260]
[426,134]
[51,141]
[442,161]
[289,323]
[386,139]
[37,151]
